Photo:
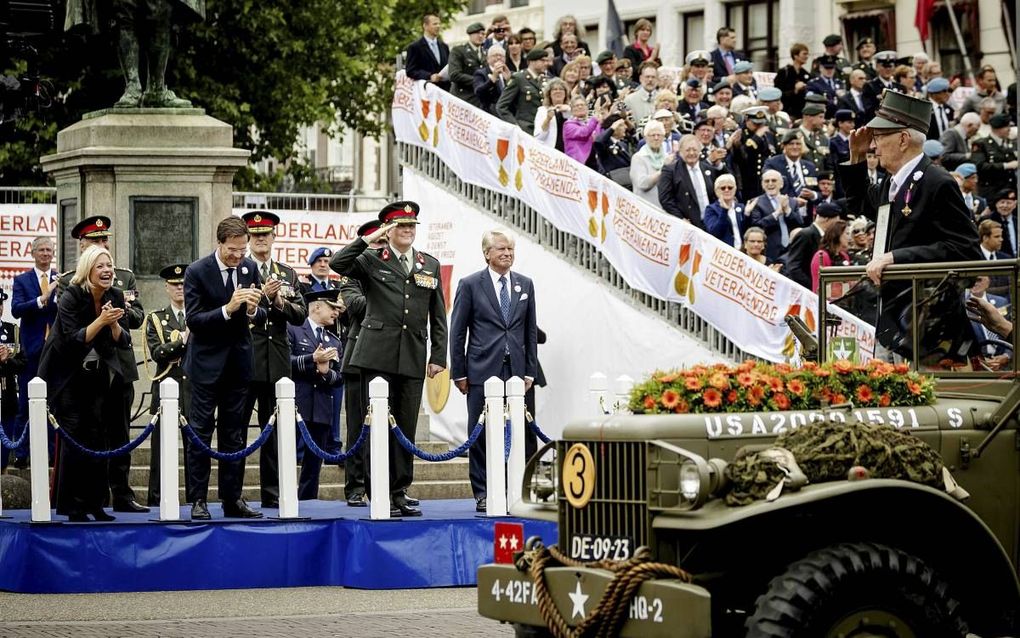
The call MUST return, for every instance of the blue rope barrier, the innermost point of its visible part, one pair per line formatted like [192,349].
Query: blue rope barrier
[229,456]
[106,454]
[537,430]
[6,443]
[435,458]
[340,457]
[506,441]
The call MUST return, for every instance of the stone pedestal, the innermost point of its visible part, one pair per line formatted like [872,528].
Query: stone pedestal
[163,176]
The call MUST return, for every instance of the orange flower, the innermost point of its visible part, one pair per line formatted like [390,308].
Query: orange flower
[776,384]
[731,396]
[745,379]
[746,366]
[693,383]
[782,401]
[796,386]
[826,395]
[649,403]
[670,398]
[901,368]
[755,394]
[843,366]
[809,365]
[719,381]
[884,400]
[668,378]
[682,407]
[839,398]
[782,368]
[822,373]
[712,398]
[915,388]
[864,394]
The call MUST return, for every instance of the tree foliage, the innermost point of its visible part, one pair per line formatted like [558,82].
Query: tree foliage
[266,68]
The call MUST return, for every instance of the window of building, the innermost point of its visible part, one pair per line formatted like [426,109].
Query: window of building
[693,31]
[879,25]
[518,3]
[757,27]
[947,47]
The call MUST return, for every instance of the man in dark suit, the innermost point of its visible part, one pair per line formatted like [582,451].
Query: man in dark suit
[315,367]
[853,99]
[318,281]
[491,79]
[806,242]
[269,340]
[166,338]
[956,141]
[355,407]
[1003,207]
[725,56]
[800,176]
[405,318]
[465,59]
[222,296]
[992,353]
[772,212]
[96,230]
[990,235]
[687,186]
[12,365]
[493,333]
[427,56]
[35,304]
[523,93]
[941,113]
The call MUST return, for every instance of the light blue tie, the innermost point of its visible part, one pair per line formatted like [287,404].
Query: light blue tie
[784,231]
[435,50]
[504,299]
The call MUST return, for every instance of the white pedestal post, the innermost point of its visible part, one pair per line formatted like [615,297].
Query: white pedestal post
[379,450]
[495,463]
[598,390]
[621,390]
[169,483]
[286,448]
[39,451]
[518,428]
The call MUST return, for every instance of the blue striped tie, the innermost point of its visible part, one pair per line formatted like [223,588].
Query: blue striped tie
[504,299]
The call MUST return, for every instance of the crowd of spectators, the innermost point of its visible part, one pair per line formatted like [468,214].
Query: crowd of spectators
[745,155]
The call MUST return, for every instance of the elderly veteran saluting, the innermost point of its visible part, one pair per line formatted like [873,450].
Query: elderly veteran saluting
[405,316]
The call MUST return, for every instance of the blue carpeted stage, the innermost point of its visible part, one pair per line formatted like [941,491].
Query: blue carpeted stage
[337,545]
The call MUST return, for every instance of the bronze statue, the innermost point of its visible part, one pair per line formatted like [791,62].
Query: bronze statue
[134,22]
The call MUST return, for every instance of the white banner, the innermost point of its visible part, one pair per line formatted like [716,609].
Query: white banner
[19,225]
[655,252]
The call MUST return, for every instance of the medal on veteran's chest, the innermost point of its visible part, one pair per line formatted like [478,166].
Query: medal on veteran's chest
[425,281]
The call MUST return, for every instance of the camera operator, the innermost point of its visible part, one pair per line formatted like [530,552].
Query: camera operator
[497,32]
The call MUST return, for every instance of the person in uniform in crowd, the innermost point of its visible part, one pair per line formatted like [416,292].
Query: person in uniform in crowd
[353,300]
[865,53]
[839,144]
[647,164]
[853,99]
[319,278]
[405,315]
[86,381]
[687,186]
[640,50]
[427,56]
[812,131]
[491,79]
[13,362]
[607,65]
[758,144]
[941,113]
[778,119]
[34,303]
[317,281]
[693,103]
[166,338]
[793,80]
[493,333]
[827,188]
[223,298]
[927,220]
[957,141]
[995,158]
[828,84]
[775,214]
[725,218]
[315,352]
[833,44]
[966,176]
[987,87]
[744,82]
[725,55]
[465,59]
[1003,207]
[862,236]
[270,341]
[800,176]
[805,244]
[641,101]
[885,65]
[699,67]
[523,94]
[95,231]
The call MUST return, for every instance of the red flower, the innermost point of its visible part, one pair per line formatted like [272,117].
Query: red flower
[719,381]
[843,366]
[901,368]
[864,394]
[731,396]
[682,407]
[693,383]
[670,398]
[755,395]
[839,398]
[745,379]
[796,386]
[649,403]
[782,401]
[712,398]
[884,400]
[776,384]
[915,388]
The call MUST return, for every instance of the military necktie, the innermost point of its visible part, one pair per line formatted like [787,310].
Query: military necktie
[403,263]
[318,333]
[265,273]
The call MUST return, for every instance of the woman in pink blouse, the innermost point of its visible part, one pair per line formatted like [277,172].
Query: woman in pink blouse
[833,251]
[580,130]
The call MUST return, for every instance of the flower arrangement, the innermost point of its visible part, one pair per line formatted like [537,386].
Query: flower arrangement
[761,387]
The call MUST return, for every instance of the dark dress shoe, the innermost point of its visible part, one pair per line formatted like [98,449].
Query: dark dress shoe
[394,511]
[129,505]
[200,511]
[103,517]
[413,502]
[271,503]
[240,509]
[357,500]
[77,517]
[406,509]
[480,504]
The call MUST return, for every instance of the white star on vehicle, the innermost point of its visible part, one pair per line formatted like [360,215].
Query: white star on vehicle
[502,542]
[840,351]
[579,598]
[513,542]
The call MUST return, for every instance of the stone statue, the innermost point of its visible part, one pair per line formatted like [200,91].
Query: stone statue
[133,23]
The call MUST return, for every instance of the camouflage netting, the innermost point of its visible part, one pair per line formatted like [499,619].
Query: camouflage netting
[827,451]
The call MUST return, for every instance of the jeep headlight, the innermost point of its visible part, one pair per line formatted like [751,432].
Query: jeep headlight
[682,479]
[690,481]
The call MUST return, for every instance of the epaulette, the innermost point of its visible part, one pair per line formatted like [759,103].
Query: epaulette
[422,254]
[124,269]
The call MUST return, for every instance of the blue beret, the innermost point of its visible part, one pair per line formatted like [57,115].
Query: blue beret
[770,94]
[966,169]
[844,115]
[743,67]
[322,251]
[933,148]
[693,83]
[828,209]
[937,85]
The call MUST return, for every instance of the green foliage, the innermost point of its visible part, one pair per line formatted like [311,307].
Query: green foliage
[265,68]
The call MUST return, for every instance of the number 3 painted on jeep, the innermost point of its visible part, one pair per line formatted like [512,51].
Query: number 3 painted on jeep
[578,475]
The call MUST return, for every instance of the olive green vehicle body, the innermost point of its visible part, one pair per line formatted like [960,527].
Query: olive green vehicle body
[733,552]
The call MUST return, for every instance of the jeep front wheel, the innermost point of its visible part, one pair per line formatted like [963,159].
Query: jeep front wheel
[856,590]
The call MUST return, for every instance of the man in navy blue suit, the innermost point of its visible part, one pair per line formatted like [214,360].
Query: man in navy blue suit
[318,281]
[494,334]
[800,176]
[315,353]
[34,303]
[772,212]
[428,55]
[222,296]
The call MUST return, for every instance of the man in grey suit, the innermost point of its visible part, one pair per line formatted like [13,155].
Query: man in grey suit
[956,141]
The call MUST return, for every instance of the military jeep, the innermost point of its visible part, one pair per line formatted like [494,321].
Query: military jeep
[871,557]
